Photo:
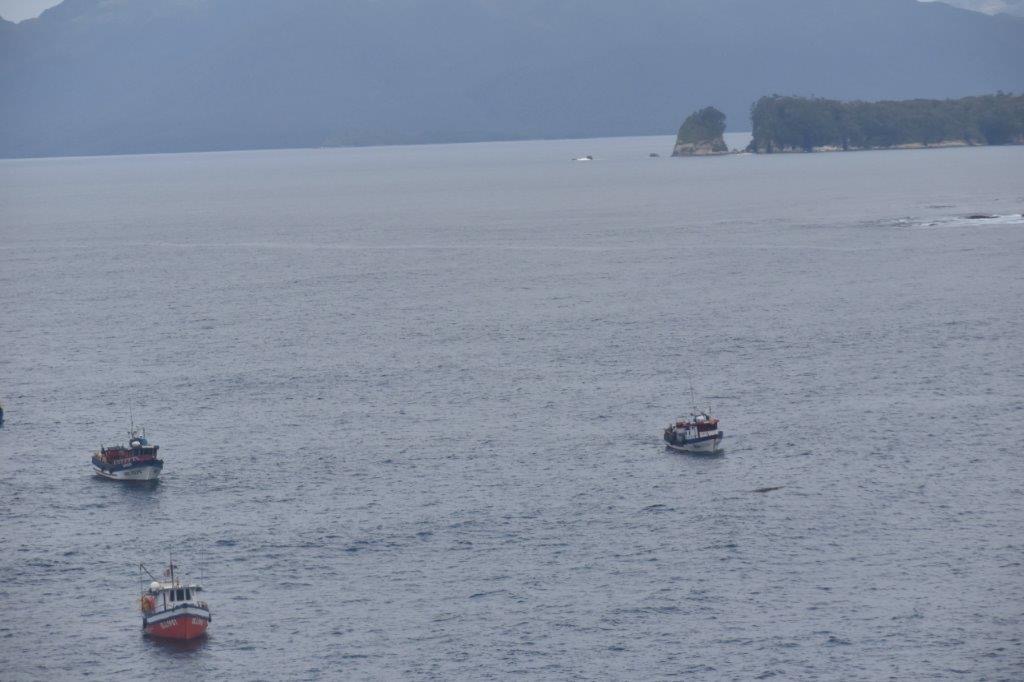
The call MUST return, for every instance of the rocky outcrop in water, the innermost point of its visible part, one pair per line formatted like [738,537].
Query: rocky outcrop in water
[702,134]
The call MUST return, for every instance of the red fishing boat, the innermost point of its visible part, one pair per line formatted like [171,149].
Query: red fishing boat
[171,608]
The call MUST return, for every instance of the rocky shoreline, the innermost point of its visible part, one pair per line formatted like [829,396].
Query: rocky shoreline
[945,144]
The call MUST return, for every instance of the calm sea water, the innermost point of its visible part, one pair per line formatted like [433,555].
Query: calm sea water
[410,402]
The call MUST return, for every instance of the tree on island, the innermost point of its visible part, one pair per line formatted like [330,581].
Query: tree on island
[702,134]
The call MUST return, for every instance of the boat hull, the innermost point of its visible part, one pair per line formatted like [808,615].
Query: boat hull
[142,472]
[710,445]
[189,624]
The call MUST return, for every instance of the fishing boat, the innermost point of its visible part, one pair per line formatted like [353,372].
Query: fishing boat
[171,608]
[136,461]
[699,433]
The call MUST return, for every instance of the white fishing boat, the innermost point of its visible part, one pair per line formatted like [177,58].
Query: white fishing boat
[698,434]
[135,462]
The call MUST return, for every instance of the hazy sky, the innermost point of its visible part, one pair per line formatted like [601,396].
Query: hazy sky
[16,10]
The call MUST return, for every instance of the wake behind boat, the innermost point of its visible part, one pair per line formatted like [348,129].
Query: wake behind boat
[135,462]
[698,434]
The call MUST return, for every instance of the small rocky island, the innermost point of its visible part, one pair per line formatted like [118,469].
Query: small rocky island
[702,134]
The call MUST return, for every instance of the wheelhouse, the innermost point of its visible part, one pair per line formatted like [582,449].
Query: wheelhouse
[137,447]
[171,595]
[701,423]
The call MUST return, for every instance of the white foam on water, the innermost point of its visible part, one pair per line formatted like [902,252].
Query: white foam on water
[962,221]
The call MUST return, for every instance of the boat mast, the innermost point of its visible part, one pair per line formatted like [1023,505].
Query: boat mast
[151,576]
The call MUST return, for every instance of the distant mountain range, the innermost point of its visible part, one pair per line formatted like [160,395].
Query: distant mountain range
[129,76]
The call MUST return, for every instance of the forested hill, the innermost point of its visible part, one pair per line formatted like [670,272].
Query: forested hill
[123,76]
[787,124]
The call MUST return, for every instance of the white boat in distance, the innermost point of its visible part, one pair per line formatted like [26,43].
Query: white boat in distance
[699,434]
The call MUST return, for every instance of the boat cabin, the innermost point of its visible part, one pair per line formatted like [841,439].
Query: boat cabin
[701,423]
[138,447]
[163,596]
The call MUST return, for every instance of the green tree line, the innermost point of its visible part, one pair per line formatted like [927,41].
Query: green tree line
[798,123]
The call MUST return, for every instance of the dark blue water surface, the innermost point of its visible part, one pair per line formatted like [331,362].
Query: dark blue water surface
[410,402]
